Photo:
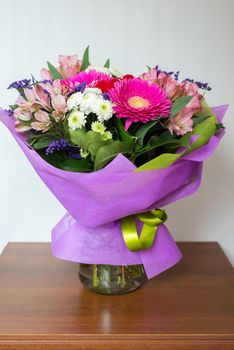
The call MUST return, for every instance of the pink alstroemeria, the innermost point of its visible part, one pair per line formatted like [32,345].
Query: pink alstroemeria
[22,115]
[45,74]
[181,123]
[42,122]
[170,86]
[35,99]
[41,97]
[20,127]
[60,107]
[68,66]
[55,88]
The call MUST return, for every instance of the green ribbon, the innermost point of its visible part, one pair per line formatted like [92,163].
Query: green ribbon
[151,220]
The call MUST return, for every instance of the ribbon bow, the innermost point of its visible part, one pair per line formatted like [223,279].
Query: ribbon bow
[151,220]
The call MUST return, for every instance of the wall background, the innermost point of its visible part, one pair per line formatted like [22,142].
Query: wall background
[195,37]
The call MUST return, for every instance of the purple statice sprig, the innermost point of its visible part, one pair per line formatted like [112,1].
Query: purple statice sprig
[81,87]
[10,112]
[172,73]
[21,84]
[63,145]
[57,145]
[78,88]
[201,85]
[106,96]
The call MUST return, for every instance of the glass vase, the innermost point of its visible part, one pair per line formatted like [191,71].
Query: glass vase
[112,280]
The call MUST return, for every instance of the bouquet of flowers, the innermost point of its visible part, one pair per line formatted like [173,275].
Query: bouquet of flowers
[114,149]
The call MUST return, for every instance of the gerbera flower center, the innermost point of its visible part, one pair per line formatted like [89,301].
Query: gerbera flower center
[138,102]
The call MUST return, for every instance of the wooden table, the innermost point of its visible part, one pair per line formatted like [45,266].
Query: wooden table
[44,306]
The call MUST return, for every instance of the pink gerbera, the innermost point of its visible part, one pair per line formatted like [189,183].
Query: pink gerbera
[138,101]
[85,77]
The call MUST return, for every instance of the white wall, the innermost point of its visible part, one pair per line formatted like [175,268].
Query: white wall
[195,37]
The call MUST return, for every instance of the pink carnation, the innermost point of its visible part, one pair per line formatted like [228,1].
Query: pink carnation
[85,77]
[138,101]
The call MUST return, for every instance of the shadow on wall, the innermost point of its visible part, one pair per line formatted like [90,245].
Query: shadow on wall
[204,216]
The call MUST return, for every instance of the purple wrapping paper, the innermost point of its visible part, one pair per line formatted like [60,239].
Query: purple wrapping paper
[90,232]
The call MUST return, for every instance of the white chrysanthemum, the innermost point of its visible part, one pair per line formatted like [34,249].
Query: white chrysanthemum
[88,102]
[110,70]
[76,120]
[98,127]
[103,109]
[74,100]
[95,91]
[107,136]
[83,153]
[115,72]
[98,69]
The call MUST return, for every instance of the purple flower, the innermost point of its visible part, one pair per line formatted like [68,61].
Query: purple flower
[21,84]
[106,96]
[63,145]
[202,86]
[81,87]
[57,145]
[10,112]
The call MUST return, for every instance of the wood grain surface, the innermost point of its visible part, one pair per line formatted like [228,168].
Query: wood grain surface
[44,306]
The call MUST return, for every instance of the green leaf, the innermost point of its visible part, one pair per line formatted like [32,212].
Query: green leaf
[89,141]
[142,131]
[78,137]
[76,164]
[107,64]
[54,72]
[179,104]
[85,59]
[206,111]
[197,120]
[159,143]
[106,153]
[13,107]
[185,140]
[41,141]
[160,162]
[123,135]
[60,160]
[220,126]
[205,130]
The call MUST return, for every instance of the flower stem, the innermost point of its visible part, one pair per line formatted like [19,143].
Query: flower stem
[95,276]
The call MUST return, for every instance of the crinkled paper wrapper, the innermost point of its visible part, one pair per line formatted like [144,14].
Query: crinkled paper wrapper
[90,232]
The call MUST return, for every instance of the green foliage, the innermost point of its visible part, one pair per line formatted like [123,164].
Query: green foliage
[205,130]
[102,152]
[123,135]
[61,161]
[179,104]
[78,137]
[85,59]
[54,72]
[89,141]
[106,153]
[107,64]
[160,162]
[142,131]
[42,140]
[13,107]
